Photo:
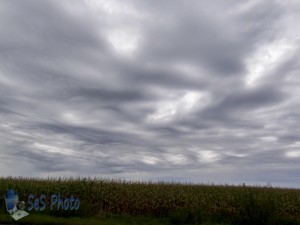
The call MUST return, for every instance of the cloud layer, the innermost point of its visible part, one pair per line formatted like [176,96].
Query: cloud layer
[179,91]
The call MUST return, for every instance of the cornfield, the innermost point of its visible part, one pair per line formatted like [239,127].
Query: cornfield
[159,199]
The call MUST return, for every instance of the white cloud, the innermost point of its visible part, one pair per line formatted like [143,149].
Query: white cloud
[293,154]
[269,138]
[176,159]
[179,104]
[112,7]
[151,160]
[266,59]
[208,156]
[53,149]
[124,41]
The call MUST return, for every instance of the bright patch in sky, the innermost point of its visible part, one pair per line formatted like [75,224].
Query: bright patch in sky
[175,105]
[112,7]
[123,41]
[150,160]
[176,159]
[70,117]
[269,138]
[53,149]
[293,154]
[208,156]
[265,59]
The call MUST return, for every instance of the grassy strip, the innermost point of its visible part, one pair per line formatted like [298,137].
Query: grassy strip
[45,220]
[96,220]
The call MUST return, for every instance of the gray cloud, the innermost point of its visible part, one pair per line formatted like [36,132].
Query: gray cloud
[150,90]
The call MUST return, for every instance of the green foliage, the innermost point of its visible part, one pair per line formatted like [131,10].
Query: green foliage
[181,203]
[256,210]
[186,216]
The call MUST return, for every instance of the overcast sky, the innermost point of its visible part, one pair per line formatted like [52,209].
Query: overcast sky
[186,91]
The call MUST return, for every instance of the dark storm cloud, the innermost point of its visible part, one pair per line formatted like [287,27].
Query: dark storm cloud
[197,33]
[113,96]
[242,101]
[150,90]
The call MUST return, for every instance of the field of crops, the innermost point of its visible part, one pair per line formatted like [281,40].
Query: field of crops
[181,202]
